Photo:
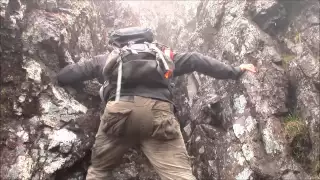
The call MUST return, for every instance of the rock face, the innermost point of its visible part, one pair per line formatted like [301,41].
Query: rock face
[263,126]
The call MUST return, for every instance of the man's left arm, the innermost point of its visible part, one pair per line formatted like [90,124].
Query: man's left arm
[189,62]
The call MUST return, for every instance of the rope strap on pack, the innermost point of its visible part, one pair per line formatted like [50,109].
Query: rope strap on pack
[119,79]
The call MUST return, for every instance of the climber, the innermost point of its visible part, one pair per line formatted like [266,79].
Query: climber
[139,109]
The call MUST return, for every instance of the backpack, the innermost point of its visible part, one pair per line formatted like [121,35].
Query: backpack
[136,59]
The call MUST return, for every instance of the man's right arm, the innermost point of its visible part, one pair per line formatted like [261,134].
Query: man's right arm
[81,71]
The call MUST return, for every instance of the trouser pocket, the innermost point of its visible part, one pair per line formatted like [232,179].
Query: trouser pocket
[165,125]
[115,119]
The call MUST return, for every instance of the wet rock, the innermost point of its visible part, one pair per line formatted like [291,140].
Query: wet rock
[271,18]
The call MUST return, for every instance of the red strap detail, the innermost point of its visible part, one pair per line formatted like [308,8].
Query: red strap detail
[171,54]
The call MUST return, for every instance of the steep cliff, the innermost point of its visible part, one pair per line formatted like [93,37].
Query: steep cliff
[264,126]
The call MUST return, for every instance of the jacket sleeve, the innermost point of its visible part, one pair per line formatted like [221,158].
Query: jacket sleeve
[189,62]
[82,71]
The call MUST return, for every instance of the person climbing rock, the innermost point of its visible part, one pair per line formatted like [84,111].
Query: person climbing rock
[139,110]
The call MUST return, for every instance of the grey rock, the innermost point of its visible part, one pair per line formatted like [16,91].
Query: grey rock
[51,5]
[187,130]
[33,70]
[246,174]
[289,176]
[63,139]
[23,135]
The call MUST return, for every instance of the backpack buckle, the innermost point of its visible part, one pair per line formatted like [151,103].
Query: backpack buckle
[168,74]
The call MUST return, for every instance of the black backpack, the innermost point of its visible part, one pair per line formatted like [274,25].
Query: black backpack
[121,37]
[136,59]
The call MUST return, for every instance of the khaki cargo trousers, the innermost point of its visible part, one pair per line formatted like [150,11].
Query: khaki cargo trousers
[145,122]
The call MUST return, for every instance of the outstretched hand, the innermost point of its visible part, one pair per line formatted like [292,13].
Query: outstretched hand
[248,67]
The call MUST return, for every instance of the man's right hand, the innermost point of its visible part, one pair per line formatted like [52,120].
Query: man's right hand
[248,67]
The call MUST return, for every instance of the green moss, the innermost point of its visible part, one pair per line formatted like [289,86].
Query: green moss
[286,58]
[297,38]
[3,91]
[3,110]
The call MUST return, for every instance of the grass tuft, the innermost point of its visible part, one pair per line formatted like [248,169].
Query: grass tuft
[297,135]
[294,127]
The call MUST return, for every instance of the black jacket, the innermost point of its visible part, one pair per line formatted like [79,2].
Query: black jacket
[184,63]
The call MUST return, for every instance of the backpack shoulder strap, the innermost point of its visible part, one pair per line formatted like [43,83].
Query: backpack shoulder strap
[161,56]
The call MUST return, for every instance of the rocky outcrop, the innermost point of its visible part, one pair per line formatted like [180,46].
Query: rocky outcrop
[236,130]
[263,126]
[40,126]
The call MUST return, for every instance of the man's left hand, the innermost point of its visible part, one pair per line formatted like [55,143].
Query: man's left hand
[248,67]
